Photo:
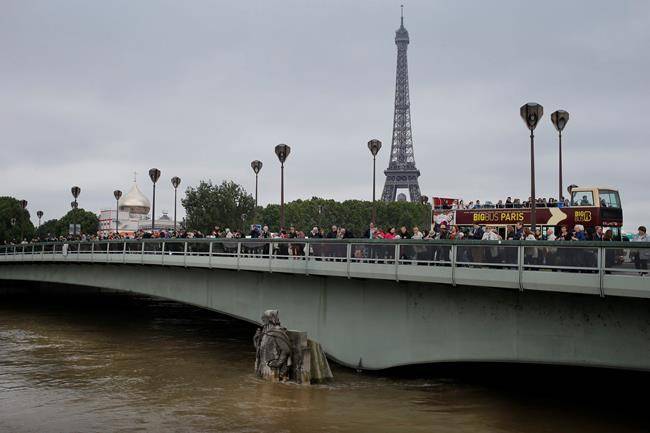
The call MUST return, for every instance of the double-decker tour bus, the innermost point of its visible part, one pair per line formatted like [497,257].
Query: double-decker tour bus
[588,206]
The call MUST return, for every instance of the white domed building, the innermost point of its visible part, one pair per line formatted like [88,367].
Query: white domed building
[133,215]
[134,203]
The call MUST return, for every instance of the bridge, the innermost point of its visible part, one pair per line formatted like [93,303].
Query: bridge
[378,304]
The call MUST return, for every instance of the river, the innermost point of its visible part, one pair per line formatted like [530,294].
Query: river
[116,362]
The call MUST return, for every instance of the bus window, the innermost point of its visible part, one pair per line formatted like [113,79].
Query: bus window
[582,198]
[609,198]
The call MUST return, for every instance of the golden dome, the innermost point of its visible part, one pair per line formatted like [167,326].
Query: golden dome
[135,202]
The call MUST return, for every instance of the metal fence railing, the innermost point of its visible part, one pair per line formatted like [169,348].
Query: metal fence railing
[462,262]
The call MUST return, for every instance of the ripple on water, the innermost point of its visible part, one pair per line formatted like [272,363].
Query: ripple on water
[129,363]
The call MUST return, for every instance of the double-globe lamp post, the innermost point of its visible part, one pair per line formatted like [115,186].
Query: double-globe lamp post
[176,181]
[118,195]
[560,118]
[75,190]
[282,151]
[154,175]
[374,145]
[531,113]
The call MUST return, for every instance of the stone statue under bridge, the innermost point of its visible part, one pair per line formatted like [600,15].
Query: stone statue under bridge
[283,355]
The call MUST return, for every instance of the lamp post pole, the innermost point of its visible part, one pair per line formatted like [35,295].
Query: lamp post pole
[175,182]
[374,146]
[531,113]
[560,119]
[154,175]
[282,151]
[117,194]
[425,201]
[256,166]
[533,200]
[281,196]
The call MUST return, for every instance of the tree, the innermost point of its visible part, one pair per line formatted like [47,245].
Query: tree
[227,205]
[209,205]
[354,215]
[23,228]
[88,220]
[48,228]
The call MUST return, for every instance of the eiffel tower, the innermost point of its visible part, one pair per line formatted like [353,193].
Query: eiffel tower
[401,172]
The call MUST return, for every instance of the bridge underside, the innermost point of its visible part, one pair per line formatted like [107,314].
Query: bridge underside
[376,324]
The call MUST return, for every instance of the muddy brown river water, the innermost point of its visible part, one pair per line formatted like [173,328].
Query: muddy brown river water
[115,362]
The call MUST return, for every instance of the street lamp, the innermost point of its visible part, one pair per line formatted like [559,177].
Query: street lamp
[374,146]
[256,166]
[282,151]
[154,175]
[39,214]
[74,205]
[560,119]
[531,113]
[118,195]
[175,182]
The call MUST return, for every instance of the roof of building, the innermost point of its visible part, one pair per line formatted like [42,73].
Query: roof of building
[135,202]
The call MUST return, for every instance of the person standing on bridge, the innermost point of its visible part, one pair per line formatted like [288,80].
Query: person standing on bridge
[642,255]
[598,234]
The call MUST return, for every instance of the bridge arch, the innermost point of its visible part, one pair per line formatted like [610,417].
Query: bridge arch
[375,323]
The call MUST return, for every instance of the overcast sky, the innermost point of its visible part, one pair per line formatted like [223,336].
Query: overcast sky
[92,91]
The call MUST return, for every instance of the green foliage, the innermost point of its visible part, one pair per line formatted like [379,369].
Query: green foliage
[49,227]
[354,215]
[88,220]
[10,208]
[222,205]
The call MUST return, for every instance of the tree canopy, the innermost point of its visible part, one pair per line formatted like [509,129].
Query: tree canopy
[227,205]
[88,220]
[223,205]
[10,208]
[49,227]
[354,215]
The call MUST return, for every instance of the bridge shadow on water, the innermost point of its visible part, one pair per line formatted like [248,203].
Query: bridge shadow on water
[614,397]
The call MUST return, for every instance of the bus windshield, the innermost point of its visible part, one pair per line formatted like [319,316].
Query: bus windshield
[609,198]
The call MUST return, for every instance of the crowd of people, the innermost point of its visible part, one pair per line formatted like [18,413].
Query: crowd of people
[442,231]
[548,256]
[510,203]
